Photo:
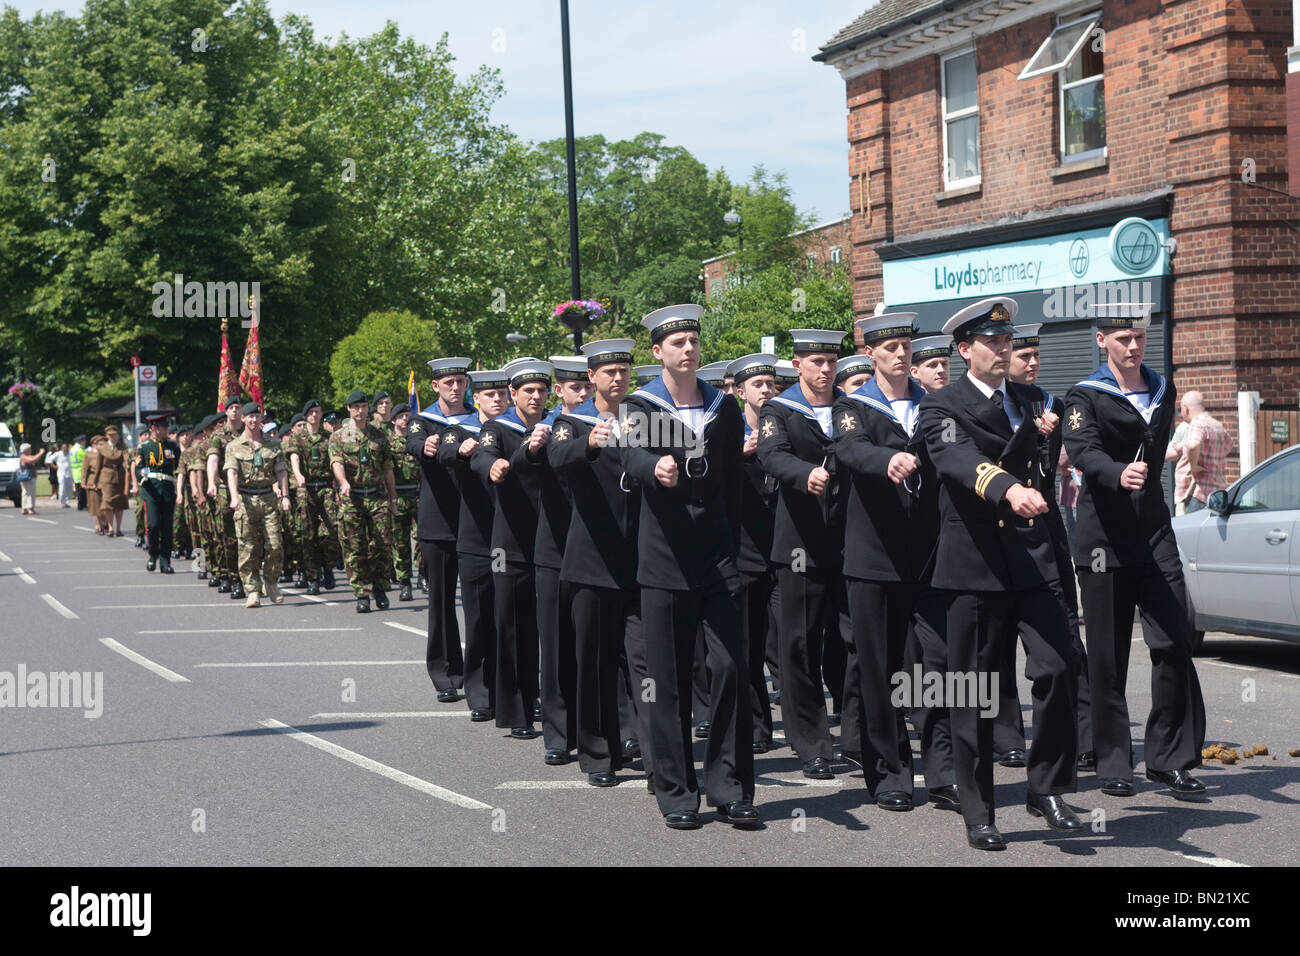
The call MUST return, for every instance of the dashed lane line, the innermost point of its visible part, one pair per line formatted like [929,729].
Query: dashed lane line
[374,766]
[386,714]
[24,576]
[143,661]
[250,630]
[53,602]
[5,558]
[1209,859]
[307,663]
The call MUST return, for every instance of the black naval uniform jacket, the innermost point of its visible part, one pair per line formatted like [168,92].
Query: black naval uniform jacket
[554,507]
[890,530]
[791,444]
[984,545]
[1049,453]
[688,535]
[1104,432]
[514,518]
[757,514]
[474,524]
[601,547]
[439,509]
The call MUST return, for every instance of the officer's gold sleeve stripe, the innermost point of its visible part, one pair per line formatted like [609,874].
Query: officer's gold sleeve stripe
[985,473]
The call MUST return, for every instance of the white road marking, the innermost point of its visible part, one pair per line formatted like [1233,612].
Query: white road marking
[143,661]
[41,520]
[87,530]
[119,587]
[24,576]
[374,766]
[250,630]
[54,603]
[4,557]
[1235,667]
[308,663]
[120,557]
[406,627]
[100,571]
[128,607]
[1209,859]
[384,714]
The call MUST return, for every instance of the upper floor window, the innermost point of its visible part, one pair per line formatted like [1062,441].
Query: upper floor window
[961,121]
[835,255]
[1074,52]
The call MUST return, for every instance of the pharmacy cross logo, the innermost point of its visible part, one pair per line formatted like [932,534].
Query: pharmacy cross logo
[1079,258]
[1134,245]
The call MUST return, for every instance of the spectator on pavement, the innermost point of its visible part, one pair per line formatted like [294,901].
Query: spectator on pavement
[75,457]
[62,461]
[1201,449]
[27,465]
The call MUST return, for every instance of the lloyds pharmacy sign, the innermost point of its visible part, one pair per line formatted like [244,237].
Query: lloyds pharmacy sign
[1132,249]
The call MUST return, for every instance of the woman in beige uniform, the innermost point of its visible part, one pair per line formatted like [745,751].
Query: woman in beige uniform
[89,467]
[111,480]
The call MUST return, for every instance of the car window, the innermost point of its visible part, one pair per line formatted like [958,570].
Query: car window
[1276,487]
[7,449]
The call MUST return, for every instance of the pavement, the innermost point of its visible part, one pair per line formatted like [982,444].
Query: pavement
[307,734]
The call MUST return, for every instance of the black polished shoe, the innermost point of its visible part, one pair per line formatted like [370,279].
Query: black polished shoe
[1056,813]
[850,758]
[895,800]
[1179,781]
[139,542]
[152,565]
[381,600]
[214,582]
[602,779]
[945,798]
[985,838]
[1117,787]
[363,604]
[537,711]
[702,730]
[762,746]
[631,750]
[329,579]
[405,594]
[1087,761]
[740,814]
[448,696]
[237,590]
[202,575]
[682,820]
[314,587]
[478,716]
[650,782]
[286,577]
[1012,758]
[522,733]
[424,586]
[300,581]
[818,768]
[556,757]
[165,566]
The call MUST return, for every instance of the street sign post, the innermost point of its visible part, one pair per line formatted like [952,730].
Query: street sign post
[145,376]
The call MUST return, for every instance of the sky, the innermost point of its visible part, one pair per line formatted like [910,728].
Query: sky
[732,82]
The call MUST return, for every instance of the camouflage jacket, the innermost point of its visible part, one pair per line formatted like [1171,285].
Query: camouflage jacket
[258,466]
[364,453]
[406,467]
[313,455]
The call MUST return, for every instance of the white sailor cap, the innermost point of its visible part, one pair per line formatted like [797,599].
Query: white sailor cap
[489,378]
[747,366]
[817,340]
[608,351]
[645,374]
[886,325]
[456,365]
[524,370]
[1026,335]
[269,427]
[786,372]
[852,365]
[673,318]
[1121,315]
[926,347]
[570,368]
[986,317]
[713,373]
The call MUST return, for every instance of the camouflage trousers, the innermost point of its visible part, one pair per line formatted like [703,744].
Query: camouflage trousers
[206,523]
[226,550]
[183,535]
[403,524]
[290,535]
[141,526]
[261,551]
[316,523]
[365,531]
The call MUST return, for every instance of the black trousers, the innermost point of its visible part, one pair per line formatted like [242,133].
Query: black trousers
[672,620]
[559,667]
[773,651]
[979,624]
[159,509]
[881,612]
[1175,731]
[607,633]
[927,646]
[442,655]
[515,605]
[757,621]
[814,609]
[480,630]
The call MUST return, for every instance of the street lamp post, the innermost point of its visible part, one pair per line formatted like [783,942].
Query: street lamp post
[734,218]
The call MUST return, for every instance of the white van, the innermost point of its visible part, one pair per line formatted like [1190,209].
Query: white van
[9,488]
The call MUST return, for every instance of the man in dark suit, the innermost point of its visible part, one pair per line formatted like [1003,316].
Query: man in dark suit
[1117,425]
[796,448]
[996,565]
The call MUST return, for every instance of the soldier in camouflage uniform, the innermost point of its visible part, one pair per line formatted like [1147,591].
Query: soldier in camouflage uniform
[406,478]
[226,543]
[195,464]
[363,467]
[294,562]
[316,518]
[381,410]
[257,478]
[183,537]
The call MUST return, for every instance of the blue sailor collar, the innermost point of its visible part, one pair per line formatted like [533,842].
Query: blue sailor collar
[434,414]
[1103,380]
[510,419]
[793,397]
[870,393]
[586,412]
[468,421]
[657,392]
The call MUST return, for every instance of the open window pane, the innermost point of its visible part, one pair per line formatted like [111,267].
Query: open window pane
[1085,118]
[1087,62]
[963,149]
[959,82]
[1059,49]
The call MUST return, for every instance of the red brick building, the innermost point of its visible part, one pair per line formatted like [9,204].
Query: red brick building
[1064,152]
[827,244]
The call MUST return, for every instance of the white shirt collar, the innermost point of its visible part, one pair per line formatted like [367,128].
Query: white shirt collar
[987,390]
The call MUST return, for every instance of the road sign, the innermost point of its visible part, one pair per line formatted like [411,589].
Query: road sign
[767,344]
[148,374]
[135,361]
[148,398]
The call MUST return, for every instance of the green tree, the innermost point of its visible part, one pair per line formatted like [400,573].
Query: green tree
[381,354]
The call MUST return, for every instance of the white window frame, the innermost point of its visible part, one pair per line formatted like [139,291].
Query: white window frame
[1062,23]
[835,255]
[1062,87]
[945,118]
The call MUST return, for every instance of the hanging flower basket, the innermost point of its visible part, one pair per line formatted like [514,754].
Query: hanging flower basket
[578,313]
[24,390]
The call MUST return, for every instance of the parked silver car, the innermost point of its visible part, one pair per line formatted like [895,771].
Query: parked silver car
[1241,554]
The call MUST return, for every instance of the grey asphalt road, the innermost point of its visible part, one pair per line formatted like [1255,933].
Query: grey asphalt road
[308,734]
